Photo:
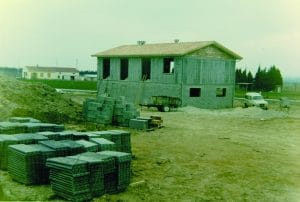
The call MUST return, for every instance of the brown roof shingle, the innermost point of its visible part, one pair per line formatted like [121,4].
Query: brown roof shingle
[162,49]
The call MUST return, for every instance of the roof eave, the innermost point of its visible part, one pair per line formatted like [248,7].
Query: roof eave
[138,55]
[223,48]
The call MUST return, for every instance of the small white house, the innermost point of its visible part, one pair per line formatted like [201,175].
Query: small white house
[61,73]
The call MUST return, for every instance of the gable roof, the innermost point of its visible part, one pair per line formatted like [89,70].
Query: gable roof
[52,69]
[163,49]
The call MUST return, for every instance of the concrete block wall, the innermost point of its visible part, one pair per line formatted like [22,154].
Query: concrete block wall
[207,69]
[138,92]
[208,98]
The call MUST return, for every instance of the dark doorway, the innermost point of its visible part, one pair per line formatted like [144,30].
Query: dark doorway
[124,69]
[146,69]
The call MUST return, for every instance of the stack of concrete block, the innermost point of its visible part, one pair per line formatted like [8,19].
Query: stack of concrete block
[27,163]
[122,139]
[88,174]
[146,123]
[98,166]
[104,144]
[6,140]
[69,178]
[139,124]
[100,110]
[88,146]
[12,127]
[28,127]
[122,173]
[109,110]
[124,112]
[63,147]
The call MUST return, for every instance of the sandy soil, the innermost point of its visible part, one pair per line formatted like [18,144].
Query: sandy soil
[206,155]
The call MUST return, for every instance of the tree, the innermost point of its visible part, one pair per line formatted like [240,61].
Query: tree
[238,75]
[267,79]
[249,77]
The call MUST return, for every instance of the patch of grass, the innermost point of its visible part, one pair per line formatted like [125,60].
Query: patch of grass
[66,84]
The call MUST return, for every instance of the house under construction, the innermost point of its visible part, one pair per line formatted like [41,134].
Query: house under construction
[201,74]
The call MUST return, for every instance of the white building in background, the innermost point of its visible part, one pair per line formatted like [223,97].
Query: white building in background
[61,73]
[89,77]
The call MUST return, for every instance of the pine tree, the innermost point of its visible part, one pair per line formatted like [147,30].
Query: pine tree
[249,77]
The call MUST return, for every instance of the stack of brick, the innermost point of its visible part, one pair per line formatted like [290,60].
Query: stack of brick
[109,110]
[100,110]
[122,139]
[28,127]
[140,124]
[6,140]
[122,174]
[104,144]
[99,166]
[12,127]
[27,163]
[146,123]
[124,112]
[69,178]
[63,147]
[92,174]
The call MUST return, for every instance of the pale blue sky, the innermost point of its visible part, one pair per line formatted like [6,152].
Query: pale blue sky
[61,32]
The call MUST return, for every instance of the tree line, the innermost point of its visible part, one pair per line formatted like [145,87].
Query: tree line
[265,79]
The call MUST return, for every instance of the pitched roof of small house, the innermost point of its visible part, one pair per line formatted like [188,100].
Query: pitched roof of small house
[52,69]
[163,49]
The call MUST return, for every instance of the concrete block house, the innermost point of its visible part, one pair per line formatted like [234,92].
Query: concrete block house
[201,74]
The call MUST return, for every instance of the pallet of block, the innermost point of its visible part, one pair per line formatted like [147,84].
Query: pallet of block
[146,123]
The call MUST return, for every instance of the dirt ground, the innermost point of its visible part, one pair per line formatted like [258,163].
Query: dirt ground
[206,155]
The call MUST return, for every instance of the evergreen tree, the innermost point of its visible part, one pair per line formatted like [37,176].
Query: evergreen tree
[267,79]
[238,75]
[249,77]
[244,76]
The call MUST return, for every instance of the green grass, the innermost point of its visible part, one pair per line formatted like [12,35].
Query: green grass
[66,84]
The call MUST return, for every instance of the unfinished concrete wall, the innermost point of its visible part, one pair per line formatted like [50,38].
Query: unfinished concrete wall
[138,92]
[212,76]
[208,75]
[212,52]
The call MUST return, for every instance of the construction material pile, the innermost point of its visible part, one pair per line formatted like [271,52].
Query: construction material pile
[146,123]
[122,173]
[26,163]
[69,178]
[88,175]
[109,111]
[27,125]
[77,172]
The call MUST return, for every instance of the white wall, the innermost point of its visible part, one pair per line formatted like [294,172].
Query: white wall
[50,75]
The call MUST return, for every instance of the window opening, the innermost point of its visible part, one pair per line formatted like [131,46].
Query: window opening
[195,92]
[221,92]
[168,65]
[106,68]
[124,69]
[146,69]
